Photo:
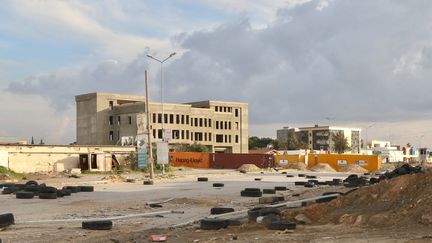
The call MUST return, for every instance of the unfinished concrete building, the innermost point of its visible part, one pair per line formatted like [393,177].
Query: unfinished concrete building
[110,119]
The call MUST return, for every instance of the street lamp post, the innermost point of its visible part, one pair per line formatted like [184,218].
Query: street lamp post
[367,130]
[162,95]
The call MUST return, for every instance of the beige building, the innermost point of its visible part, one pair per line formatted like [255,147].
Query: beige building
[320,137]
[112,119]
[58,158]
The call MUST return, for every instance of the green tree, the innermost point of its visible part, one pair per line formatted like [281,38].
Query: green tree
[292,143]
[256,142]
[340,142]
[191,148]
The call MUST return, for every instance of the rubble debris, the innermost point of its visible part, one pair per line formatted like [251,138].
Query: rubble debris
[322,167]
[158,238]
[248,168]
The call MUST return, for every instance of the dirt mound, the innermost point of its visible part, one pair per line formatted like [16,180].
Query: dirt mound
[4,177]
[353,169]
[405,200]
[297,166]
[321,167]
[249,168]
[113,178]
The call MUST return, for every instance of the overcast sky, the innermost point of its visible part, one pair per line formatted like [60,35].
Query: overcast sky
[363,63]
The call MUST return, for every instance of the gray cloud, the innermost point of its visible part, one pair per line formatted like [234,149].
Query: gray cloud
[354,60]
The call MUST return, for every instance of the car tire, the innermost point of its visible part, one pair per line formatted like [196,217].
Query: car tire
[24,195]
[202,179]
[300,183]
[251,193]
[269,191]
[86,188]
[32,183]
[280,188]
[218,185]
[97,225]
[281,225]
[72,189]
[6,220]
[48,195]
[214,211]
[213,224]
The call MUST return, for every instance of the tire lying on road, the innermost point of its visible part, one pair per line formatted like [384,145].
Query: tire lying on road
[97,225]
[289,175]
[258,179]
[66,192]
[72,189]
[261,211]
[218,185]
[48,189]
[300,183]
[311,177]
[281,225]
[86,188]
[301,175]
[10,190]
[221,210]
[202,179]
[252,189]
[214,224]
[32,183]
[250,193]
[48,195]
[24,195]
[280,188]
[148,182]
[6,220]
[269,191]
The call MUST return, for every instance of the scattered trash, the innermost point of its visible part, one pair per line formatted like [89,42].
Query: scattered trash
[158,238]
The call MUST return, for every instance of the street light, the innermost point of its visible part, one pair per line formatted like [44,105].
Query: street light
[162,96]
[367,129]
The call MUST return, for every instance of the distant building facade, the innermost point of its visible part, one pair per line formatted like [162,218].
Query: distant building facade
[109,119]
[321,137]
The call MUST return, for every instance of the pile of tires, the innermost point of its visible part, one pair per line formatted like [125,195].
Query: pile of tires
[32,189]
[355,181]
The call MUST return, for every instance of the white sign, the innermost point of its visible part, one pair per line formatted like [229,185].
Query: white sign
[342,162]
[167,135]
[361,162]
[283,162]
[162,153]
[141,123]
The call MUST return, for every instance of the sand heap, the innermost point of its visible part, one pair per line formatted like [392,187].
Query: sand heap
[321,167]
[404,200]
[248,168]
[353,169]
[296,166]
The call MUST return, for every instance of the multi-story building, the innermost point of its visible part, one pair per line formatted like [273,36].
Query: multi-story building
[321,137]
[106,119]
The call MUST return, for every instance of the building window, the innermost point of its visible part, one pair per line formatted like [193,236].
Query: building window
[187,134]
[196,122]
[191,121]
[165,118]
[130,119]
[177,119]
[182,134]
[154,133]
[154,117]
[221,123]
[236,139]
[216,108]
[205,136]
[182,119]
[225,109]
[217,124]
[111,105]
[210,137]
[237,125]
[159,118]
[171,118]
[229,138]
[226,138]
[210,123]
[111,135]
[160,133]
[176,134]
[118,120]
[229,125]
[200,122]
[205,122]
[198,136]
[187,119]
[226,125]
[111,120]
[118,135]
[219,138]
[192,136]
[236,112]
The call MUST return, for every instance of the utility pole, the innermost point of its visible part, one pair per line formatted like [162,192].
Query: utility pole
[150,148]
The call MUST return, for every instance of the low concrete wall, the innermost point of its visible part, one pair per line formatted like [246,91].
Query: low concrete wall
[46,158]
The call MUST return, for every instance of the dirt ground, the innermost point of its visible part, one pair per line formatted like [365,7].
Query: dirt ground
[194,199]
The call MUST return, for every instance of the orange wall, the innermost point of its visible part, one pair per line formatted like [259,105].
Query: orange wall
[291,158]
[189,159]
[369,162]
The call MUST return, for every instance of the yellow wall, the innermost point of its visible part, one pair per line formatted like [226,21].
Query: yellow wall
[291,158]
[370,162]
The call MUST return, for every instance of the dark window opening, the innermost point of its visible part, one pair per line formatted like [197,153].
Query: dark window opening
[219,138]
[229,125]
[171,118]
[111,120]
[177,119]
[196,122]
[187,134]
[118,120]
[205,136]
[111,105]
[159,118]
[182,134]
[165,118]
[176,134]
[111,135]
[160,133]
[236,139]
[187,119]
[182,119]
[210,123]
[205,122]
[154,133]
[198,136]
[200,122]
[130,120]
[210,137]
[217,124]
[154,117]
[93,161]
[236,113]
[229,138]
